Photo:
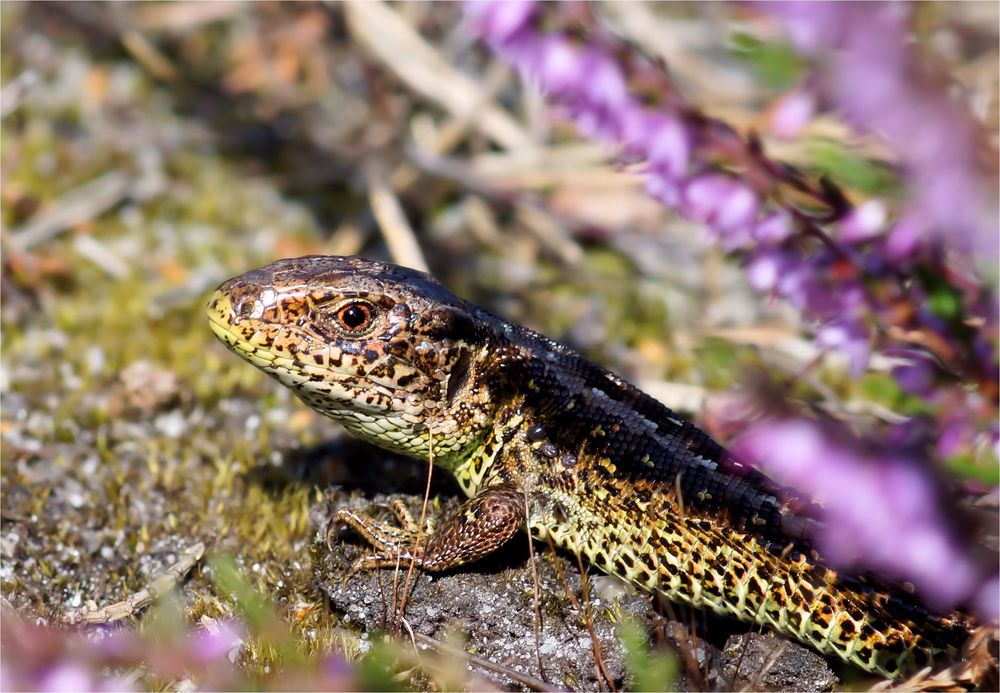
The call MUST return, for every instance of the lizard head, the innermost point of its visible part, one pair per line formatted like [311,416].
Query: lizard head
[385,350]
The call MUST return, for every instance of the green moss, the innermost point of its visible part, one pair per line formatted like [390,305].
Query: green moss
[984,469]
[651,670]
[850,170]
[883,389]
[722,362]
[776,63]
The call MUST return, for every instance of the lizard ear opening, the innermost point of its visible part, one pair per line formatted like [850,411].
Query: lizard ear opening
[459,374]
[450,323]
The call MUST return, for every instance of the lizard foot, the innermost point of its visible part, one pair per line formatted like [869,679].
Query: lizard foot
[478,527]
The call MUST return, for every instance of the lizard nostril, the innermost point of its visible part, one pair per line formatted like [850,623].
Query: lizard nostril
[244,308]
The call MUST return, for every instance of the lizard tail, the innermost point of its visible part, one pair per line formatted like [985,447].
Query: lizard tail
[712,565]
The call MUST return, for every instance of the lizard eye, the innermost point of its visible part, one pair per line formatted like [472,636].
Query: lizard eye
[355,317]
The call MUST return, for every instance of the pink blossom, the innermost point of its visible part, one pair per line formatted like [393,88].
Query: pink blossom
[499,20]
[217,641]
[668,146]
[773,229]
[864,222]
[878,510]
[557,65]
[849,338]
[66,676]
[873,73]
[793,113]
[762,271]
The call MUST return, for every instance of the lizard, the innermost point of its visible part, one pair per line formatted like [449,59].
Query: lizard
[540,438]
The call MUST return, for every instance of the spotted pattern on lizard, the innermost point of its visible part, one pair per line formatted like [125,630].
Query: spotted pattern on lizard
[540,438]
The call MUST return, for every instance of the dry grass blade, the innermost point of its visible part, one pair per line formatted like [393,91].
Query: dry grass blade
[536,599]
[14,92]
[92,249]
[523,679]
[419,541]
[551,234]
[392,221]
[185,15]
[149,56]
[552,231]
[387,36]
[755,684]
[75,207]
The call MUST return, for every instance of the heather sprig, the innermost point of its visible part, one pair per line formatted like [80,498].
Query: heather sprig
[866,66]
[867,494]
[217,654]
[50,658]
[869,276]
[802,240]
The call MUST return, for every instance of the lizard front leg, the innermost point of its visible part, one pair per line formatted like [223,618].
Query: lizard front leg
[480,526]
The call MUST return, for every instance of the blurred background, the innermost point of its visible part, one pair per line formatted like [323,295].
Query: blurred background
[152,150]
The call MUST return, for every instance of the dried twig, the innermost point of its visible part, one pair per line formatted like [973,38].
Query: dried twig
[551,230]
[583,607]
[95,251]
[536,615]
[419,540]
[161,584]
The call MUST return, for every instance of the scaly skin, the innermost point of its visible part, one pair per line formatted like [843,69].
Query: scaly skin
[539,437]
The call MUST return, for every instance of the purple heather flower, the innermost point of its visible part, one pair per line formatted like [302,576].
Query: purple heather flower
[726,205]
[763,269]
[217,641]
[811,27]
[864,222]
[849,338]
[736,215]
[793,113]
[68,676]
[604,84]
[664,189]
[773,229]
[336,666]
[795,279]
[704,195]
[867,498]
[955,436]
[667,144]
[915,377]
[557,65]
[986,604]
[498,21]
[904,238]
[874,75]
